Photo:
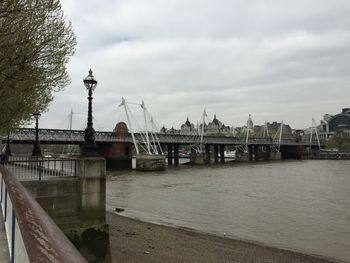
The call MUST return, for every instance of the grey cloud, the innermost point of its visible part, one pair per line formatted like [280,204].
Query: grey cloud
[274,59]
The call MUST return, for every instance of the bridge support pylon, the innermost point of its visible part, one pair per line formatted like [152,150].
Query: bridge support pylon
[275,155]
[207,153]
[222,153]
[176,154]
[242,156]
[118,155]
[216,153]
[170,154]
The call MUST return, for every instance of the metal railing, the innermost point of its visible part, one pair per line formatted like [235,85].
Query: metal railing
[33,168]
[32,236]
[59,136]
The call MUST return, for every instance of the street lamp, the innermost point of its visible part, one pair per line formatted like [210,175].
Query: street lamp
[36,147]
[7,153]
[89,147]
[8,150]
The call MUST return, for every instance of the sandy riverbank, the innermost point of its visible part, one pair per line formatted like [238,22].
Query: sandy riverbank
[136,241]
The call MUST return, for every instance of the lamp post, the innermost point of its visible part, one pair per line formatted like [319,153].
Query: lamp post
[89,147]
[7,153]
[8,150]
[36,147]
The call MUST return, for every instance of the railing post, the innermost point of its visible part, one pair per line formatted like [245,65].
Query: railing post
[40,169]
[13,231]
[1,190]
[5,216]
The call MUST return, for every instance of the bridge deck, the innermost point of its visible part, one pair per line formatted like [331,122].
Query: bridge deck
[56,136]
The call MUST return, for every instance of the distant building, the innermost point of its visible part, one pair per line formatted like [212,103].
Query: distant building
[272,130]
[217,126]
[187,127]
[334,123]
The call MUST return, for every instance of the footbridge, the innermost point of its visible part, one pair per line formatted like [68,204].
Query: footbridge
[61,136]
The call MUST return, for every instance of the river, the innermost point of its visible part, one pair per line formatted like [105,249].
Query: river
[298,205]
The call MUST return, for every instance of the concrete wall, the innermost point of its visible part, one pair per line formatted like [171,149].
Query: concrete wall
[58,197]
[77,206]
[275,156]
[92,174]
[31,234]
[242,157]
[150,163]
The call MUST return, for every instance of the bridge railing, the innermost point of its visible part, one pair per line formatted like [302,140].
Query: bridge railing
[32,236]
[27,135]
[32,168]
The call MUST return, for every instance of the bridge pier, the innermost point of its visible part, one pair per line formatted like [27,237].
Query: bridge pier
[222,153]
[118,155]
[170,154]
[197,157]
[268,152]
[176,154]
[242,156]
[250,152]
[207,153]
[216,153]
[145,162]
[293,152]
[275,155]
[256,153]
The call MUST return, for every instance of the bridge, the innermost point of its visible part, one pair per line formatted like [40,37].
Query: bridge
[62,136]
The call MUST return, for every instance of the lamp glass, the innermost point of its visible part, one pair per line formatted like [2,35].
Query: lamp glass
[90,82]
[36,115]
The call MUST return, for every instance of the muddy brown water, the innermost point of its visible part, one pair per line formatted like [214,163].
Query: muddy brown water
[297,205]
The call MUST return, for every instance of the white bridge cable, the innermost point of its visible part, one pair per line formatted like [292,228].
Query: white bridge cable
[130,125]
[153,132]
[266,130]
[250,129]
[154,129]
[198,147]
[146,132]
[278,133]
[141,132]
[314,128]
[148,140]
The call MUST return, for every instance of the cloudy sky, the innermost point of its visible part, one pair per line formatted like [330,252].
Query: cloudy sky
[275,60]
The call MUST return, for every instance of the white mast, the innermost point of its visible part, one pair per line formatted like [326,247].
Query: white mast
[146,127]
[280,137]
[314,128]
[130,126]
[202,131]
[71,119]
[266,130]
[154,129]
[248,130]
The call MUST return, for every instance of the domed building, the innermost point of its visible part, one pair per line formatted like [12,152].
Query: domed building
[217,126]
[335,123]
[340,121]
[187,127]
